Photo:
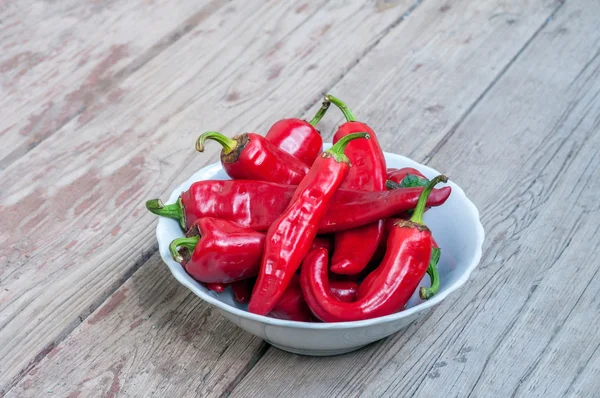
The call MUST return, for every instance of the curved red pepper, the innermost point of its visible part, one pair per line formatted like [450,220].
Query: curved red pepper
[290,236]
[292,306]
[355,247]
[257,204]
[404,265]
[211,252]
[299,137]
[344,290]
[250,156]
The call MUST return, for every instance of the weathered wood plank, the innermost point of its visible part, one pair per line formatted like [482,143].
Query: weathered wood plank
[60,59]
[525,324]
[390,67]
[75,225]
[152,336]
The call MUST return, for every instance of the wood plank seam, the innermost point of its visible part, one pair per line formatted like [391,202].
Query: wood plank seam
[453,129]
[104,86]
[135,65]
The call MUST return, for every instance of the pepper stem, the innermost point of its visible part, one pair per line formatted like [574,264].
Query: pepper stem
[337,151]
[227,143]
[417,216]
[174,210]
[319,115]
[343,107]
[189,243]
[427,292]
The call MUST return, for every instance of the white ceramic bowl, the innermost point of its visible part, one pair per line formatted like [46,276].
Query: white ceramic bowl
[455,226]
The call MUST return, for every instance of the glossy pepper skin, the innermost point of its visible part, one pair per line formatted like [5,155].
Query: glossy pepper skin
[211,252]
[250,156]
[298,137]
[289,238]
[215,287]
[355,247]
[369,285]
[242,290]
[405,263]
[257,204]
[292,306]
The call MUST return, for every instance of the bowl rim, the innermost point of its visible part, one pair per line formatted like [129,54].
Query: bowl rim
[186,280]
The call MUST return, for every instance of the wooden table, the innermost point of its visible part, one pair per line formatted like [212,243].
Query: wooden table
[101,104]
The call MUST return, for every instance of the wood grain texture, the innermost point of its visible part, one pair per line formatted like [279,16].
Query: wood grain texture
[59,60]
[152,337]
[525,325]
[76,226]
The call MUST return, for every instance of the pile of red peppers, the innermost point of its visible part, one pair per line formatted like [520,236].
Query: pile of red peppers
[309,235]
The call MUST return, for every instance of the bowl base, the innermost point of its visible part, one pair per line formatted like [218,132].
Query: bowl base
[316,353]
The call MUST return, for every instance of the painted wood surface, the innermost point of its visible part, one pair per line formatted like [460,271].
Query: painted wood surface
[59,60]
[527,119]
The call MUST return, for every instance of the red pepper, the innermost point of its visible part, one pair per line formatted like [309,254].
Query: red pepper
[215,287]
[397,175]
[299,137]
[406,178]
[250,156]
[292,306]
[211,252]
[257,204]
[241,290]
[322,241]
[290,236]
[344,290]
[404,265]
[355,247]
[369,285]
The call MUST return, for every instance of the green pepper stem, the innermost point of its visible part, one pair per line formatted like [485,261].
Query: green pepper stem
[427,292]
[174,210]
[189,243]
[319,115]
[227,143]
[337,150]
[417,216]
[342,106]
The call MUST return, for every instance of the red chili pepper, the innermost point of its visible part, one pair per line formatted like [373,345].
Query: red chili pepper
[323,241]
[211,252]
[344,290]
[397,175]
[292,306]
[405,263]
[355,247]
[257,204]
[289,238]
[242,290]
[250,156]
[215,287]
[406,178]
[369,285]
[299,137]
